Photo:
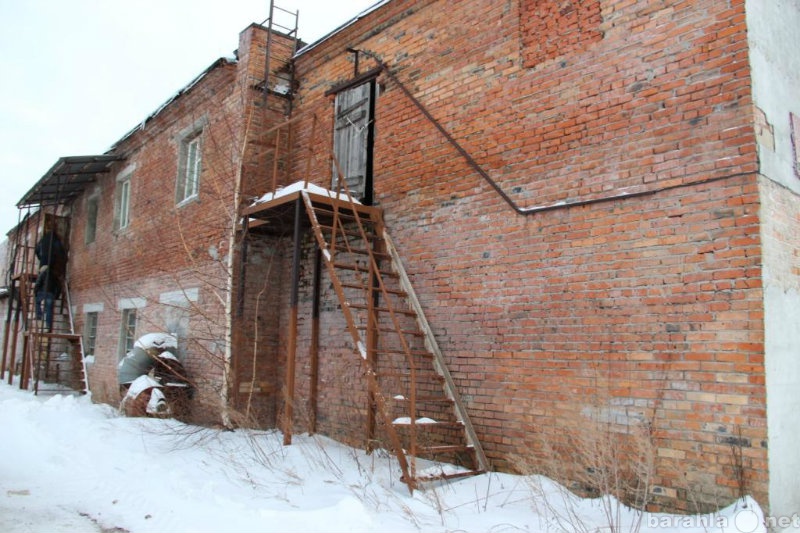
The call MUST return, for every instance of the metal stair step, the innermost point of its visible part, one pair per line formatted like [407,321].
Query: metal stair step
[413,333]
[72,337]
[348,213]
[362,268]
[427,425]
[406,312]
[404,375]
[447,476]
[396,292]
[351,233]
[423,399]
[360,251]
[446,448]
[420,353]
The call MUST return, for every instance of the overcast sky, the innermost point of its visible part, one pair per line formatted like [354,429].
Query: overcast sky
[76,75]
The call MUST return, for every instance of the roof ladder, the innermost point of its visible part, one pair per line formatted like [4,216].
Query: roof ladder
[278,68]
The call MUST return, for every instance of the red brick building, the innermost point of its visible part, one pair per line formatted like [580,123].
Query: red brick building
[595,203]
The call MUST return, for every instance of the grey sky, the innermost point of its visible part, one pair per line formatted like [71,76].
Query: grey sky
[76,75]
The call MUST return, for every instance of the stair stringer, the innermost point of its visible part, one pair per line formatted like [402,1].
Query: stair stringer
[408,474]
[433,347]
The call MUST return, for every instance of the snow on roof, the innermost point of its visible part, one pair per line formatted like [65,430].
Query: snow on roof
[350,22]
[161,341]
[188,87]
[301,186]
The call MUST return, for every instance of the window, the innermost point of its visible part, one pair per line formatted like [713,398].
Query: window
[122,200]
[91,219]
[127,335]
[90,333]
[189,168]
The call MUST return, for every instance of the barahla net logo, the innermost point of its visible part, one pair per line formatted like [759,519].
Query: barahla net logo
[742,521]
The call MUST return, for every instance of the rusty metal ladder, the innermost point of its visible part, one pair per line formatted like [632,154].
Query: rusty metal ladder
[422,414]
[55,358]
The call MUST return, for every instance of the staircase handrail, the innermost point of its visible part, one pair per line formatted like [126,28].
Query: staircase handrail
[433,346]
[80,339]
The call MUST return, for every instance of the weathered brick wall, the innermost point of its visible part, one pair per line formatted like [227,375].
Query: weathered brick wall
[644,308]
[258,318]
[166,248]
[183,303]
[264,111]
[552,29]
[170,248]
[162,236]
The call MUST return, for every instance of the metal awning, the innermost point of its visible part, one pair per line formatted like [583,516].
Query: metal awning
[67,179]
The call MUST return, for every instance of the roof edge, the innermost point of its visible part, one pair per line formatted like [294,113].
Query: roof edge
[86,165]
[342,27]
[188,87]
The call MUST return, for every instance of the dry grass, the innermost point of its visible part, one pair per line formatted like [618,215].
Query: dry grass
[598,459]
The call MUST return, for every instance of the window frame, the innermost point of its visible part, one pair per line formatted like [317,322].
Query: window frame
[122,199]
[92,208]
[127,331]
[190,167]
[91,321]
[189,143]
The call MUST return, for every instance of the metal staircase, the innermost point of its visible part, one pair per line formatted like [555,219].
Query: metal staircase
[414,408]
[52,358]
[410,389]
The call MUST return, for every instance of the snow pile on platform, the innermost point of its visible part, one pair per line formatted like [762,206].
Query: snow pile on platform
[301,186]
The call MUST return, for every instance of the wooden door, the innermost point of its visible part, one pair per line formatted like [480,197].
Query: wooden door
[352,140]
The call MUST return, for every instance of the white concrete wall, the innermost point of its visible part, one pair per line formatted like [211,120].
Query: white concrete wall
[774,38]
[782,345]
[774,35]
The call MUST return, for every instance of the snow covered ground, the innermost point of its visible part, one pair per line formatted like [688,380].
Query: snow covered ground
[67,465]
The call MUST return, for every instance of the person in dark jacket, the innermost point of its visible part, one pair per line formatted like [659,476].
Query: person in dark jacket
[50,250]
[46,289]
